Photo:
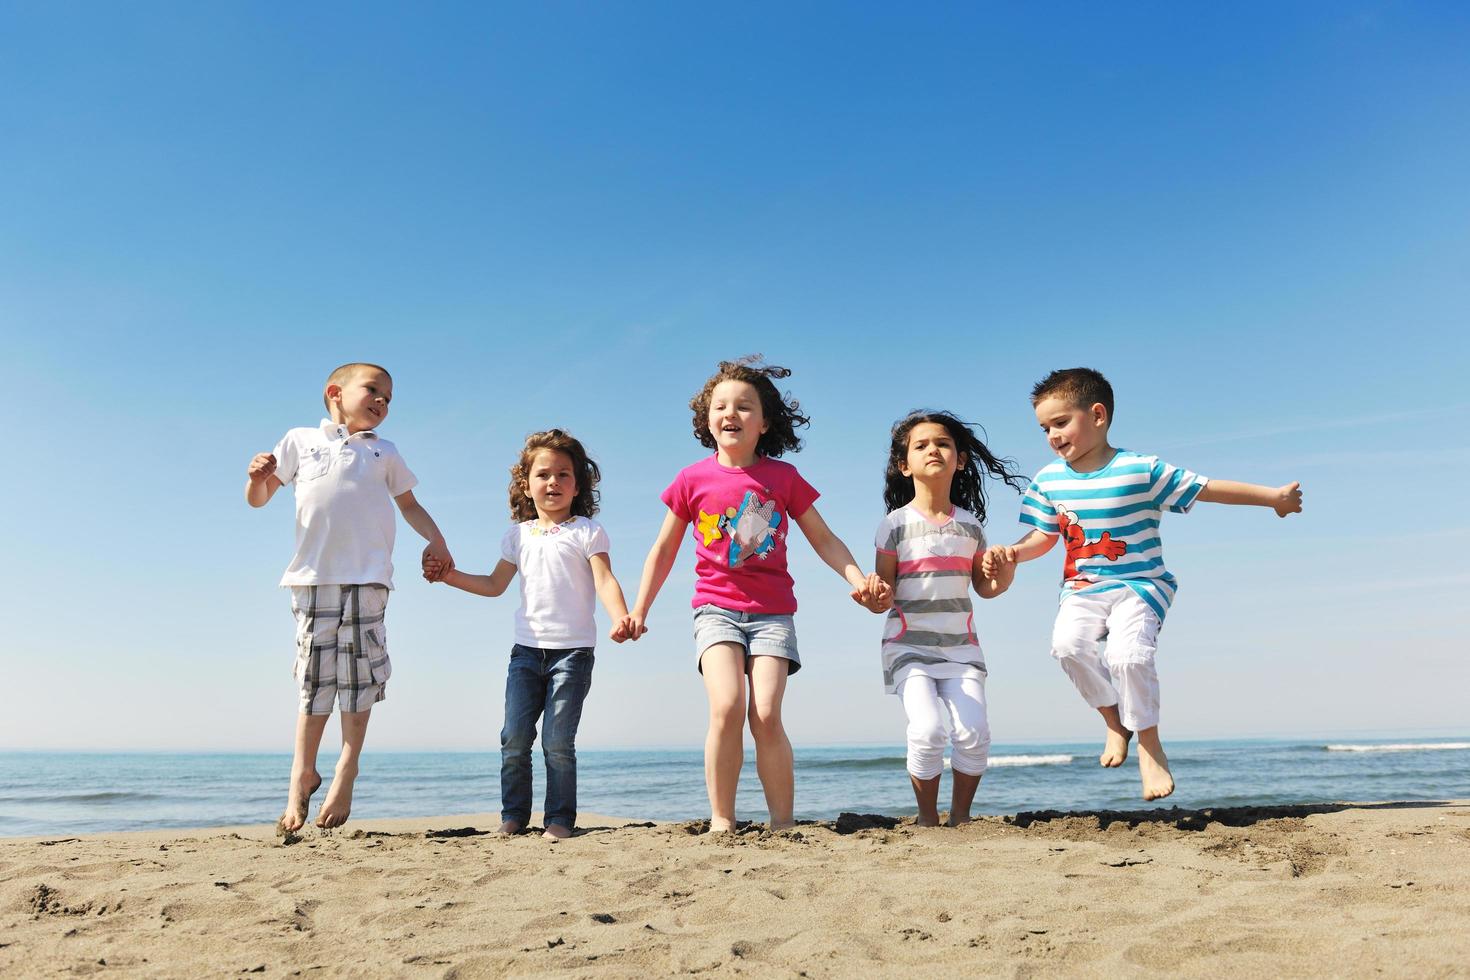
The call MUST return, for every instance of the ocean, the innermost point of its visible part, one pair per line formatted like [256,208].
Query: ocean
[64,793]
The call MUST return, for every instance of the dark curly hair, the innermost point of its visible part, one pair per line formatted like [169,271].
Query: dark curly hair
[584,504]
[968,488]
[782,412]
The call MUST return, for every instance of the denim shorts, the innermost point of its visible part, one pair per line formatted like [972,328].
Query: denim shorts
[761,634]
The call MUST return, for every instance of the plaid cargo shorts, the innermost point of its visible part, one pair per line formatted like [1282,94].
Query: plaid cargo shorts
[341,646]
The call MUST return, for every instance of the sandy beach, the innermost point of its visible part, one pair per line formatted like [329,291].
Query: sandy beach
[1355,889]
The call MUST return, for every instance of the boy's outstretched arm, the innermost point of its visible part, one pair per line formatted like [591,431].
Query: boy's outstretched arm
[1032,546]
[1283,500]
[611,594]
[413,512]
[656,568]
[261,482]
[866,589]
[489,586]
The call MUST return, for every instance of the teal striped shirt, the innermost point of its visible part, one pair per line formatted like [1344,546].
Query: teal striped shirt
[1109,522]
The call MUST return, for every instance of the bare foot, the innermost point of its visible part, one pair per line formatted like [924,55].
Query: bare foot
[297,801]
[956,820]
[510,828]
[926,820]
[719,825]
[782,824]
[1115,749]
[1153,766]
[555,831]
[338,804]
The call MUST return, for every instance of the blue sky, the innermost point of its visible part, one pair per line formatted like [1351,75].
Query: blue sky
[1255,221]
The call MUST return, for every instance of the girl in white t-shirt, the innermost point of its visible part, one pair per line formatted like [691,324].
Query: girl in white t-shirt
[929,550]
[561,554]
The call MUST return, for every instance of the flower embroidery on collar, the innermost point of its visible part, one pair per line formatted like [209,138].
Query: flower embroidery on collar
[537,530]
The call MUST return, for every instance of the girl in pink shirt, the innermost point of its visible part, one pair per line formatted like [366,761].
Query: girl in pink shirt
[741,503]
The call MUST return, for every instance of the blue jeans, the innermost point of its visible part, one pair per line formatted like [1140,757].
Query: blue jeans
[554,683]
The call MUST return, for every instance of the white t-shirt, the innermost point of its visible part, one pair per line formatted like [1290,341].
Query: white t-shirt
[345,485]
[557,592]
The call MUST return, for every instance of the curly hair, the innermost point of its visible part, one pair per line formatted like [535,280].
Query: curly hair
[968,488]
[584,504]
[782,412]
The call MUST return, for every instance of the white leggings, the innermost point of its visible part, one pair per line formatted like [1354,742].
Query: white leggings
[1127,676]
[947,709]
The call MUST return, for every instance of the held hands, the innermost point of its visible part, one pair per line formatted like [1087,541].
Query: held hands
[875,595]
[1288,500]
[997,559]
[436,561]
[630,627]
[263,465]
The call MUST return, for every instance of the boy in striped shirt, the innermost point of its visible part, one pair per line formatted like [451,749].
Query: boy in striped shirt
[1105,505]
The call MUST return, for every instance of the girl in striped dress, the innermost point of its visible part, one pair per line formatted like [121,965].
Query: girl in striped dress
[929,550]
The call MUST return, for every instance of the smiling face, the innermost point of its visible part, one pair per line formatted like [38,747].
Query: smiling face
[736,421]
[361,402]
[1077,435]
[551,483]
[932,456]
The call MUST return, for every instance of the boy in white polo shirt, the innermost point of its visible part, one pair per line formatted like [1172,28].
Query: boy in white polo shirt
[347,480]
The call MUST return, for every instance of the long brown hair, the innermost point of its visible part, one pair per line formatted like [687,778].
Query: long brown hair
[584,504]
[968,488]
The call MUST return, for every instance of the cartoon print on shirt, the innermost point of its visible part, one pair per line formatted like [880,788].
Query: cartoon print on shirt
[752,528]
[709,527]
[1078,547]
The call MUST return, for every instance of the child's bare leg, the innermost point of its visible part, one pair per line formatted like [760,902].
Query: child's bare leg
[723,666]
[338,804]
[962,795]
[926,795]
[1153,765]
[1115,749]
[773,759]
[304,777]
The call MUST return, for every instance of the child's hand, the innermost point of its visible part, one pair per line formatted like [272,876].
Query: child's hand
[627,628]
[874,595]
[631,626]
[437,562]
[1288,501]
[264,464]
[880,594]
[996,559]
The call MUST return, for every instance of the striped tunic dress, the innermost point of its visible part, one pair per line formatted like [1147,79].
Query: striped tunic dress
[1109,522]
[931,627]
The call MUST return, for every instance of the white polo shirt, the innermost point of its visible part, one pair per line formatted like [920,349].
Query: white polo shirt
[345,485]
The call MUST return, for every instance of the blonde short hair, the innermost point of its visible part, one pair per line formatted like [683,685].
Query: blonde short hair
[344,374]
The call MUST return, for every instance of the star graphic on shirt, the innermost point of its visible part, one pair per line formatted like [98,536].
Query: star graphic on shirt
[709,526]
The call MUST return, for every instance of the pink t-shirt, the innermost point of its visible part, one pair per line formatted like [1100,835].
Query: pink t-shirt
[741,519]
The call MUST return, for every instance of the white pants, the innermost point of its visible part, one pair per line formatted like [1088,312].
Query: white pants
[948,709]
[1125,676]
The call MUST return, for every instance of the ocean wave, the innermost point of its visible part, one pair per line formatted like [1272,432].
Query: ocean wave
[887,762]
[1401,747]
[1031,760]
[898,761]
[82,798]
